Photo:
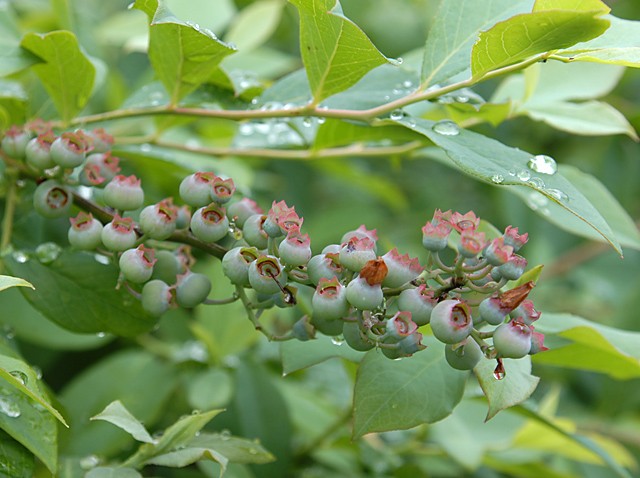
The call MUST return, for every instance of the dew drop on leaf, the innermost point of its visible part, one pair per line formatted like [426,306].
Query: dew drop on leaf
[536,182]
[556,193]
[20,376]
[20,256]
[396,115]
[497,178]
[9,408]
[543,164]
[48,252]
[446,128]
[523,175]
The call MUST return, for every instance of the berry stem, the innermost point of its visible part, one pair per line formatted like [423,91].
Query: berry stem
[9,210]
[228,300]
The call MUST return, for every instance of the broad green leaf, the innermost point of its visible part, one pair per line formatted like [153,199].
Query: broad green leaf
[8,281]
[517,385]
[454,31]
[79,294]
[12,57]
[13,103]
[619,45]
[112,472]
[255,24]
[575,5]
[492,113]
[335,52]
[335,132]
[183,55]
[491,161]
[297,355]
[214,14]
[592,346]
[140,381]
[66,72]
[118,414]
[17,461]
[401,394]
[529,34]
[209,389]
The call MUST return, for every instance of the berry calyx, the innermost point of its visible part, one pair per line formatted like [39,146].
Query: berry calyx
[137,264]
[158,221]
[70,148]
[210,223]
[119,234]
[51,199]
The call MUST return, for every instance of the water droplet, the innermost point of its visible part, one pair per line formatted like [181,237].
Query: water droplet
[397,91]
[254,101]
[497,178]
[145,148]
[394,405]
[512,172]
[21,183]
[9,408]
[461,99]
[446,128]
[536,182]
[412,123]
[399,60]
[102,259]
[386,97]
[253,451]
[337,341]
[101,335]
[192,143]
[246,129]
[523,175]
[130,6]
[38,372]
[537,201]
[20,257]
[307,122]
[407,83]
[556,193]
[20,376]
[225,435]
[396,115]
[88,462]
[543,164]
[322,120]
[499,374]
[48,252]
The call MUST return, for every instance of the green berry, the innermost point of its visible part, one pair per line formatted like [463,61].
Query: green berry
[69,149]
[158,221]
[235,264]
[451,321]
[123,193]
[38,151]
[464,356]
[266,275]
[156,297]
[355,337]
[51,199]
[15,141]
[119,234]
[192,289]
[329,301]
[195,189]
[85,232]
[512,339]
[210,223]
[137,264]
[364,296]
[167,267]
[253,231]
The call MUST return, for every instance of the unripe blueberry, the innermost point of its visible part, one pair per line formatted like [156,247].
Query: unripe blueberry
[158,221]
[400,326]
[451,321]
[137,264]
[435,236]
[192,289]
[356,339]
[512,340]
[328,327]
[411,344]
[184,217]
[364,296]
[497,252]
[329,300]
[15,141]
[492,311]
[526,312]
[70,149]
[331,248]
[513,239]
[38,151]
[266,275]
[472,242]
[101,140]
[85,231]
[324,266]
[51,199]
[195,189]
[295,249]
[254,233]
[401,269]
[393,353]
[235,264]
[303,330]
[513,268]
[280,219]
[355,253]
[419,301]
[210,223]
[99,169]
[156,297]
[360,233]
[241,210]
[124,193]
[537,342]
[119,234]
[465,356]
[167,267]
[222,190]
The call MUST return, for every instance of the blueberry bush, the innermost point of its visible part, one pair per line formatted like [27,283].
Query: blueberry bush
[245,238]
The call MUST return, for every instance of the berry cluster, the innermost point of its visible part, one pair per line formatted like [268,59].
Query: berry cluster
[371,300]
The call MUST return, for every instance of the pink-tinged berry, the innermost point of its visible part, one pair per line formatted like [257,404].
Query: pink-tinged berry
[235,264]
[156,297]
[361,233]
[420,301]
[119,234]
[400,326]
[512,339]
[192,289]
[38,151]
[411,344]
[513,268]
[497,252]
[463,222]
[37,126]
[355,337]
[493,311]
[137,264]
[15,141]
[303,330]
[472,242]
[51,199]
[266,275]
[241,210]
[254,233]
[222,190]
[363,295]
[295,249]
[102,141]
[158,221]
[167,267]
[526,312]
[435,236]
[85,231]
[324,266]
[401,269]
[451,321]
[331,248]
[123,193]
[195,189]
[329,300]
[537,342]
[513,239]
[99,169]
[210,224]
[463,356]
[281,219]
[70,149]
[356,252]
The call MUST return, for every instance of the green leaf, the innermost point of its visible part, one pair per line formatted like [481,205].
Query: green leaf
[576,5]
[454,31]
[13,103]
[112,472]
[183,55]
[335,132]
[529,34]
[118,414]
[517,385]
[8,281]
[492,113]
[79,294]
[255,24]
[619,45]
[12,57]
[401,394]
[491,161]
[17,461]
[335,52]
[66,72]
[208,389]
[592,346]
[297,355]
